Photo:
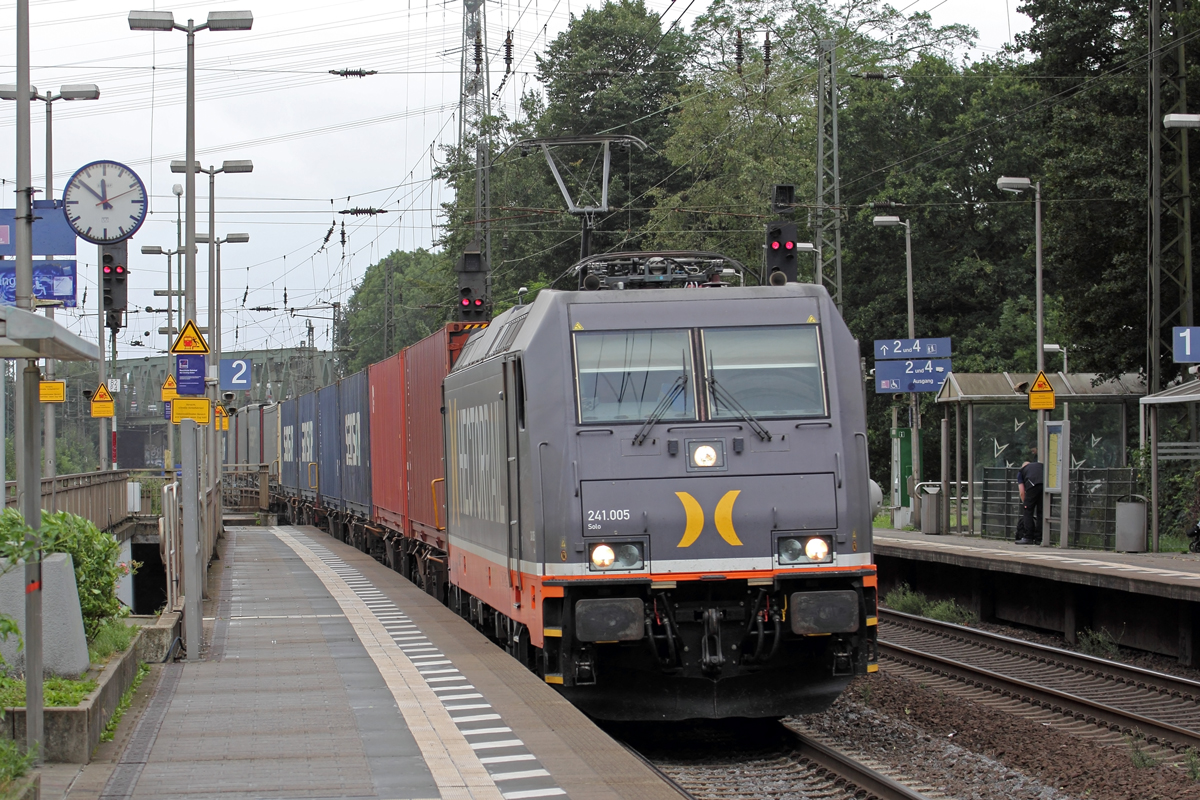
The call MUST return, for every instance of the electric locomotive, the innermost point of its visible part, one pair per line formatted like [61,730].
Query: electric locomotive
[657,493]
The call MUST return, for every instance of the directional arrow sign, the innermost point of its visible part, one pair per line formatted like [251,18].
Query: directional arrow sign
[911,375]
[912,348]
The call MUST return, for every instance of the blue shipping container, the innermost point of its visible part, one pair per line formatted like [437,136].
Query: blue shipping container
[329,447]
[289,474]
[353,396]
[307,413]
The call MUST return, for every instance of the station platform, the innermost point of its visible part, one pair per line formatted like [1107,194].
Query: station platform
[1147,601]
[326,675]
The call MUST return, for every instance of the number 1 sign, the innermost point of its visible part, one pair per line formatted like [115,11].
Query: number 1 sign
[1186,345]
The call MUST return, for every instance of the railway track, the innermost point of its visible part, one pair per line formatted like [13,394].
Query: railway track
[758,760]
[1163,708]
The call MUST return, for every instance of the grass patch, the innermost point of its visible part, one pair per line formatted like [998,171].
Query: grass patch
[1100,644]
[57,692]
[1141,759]
[1173,543]
[112,636]
[126,700]
[14,764]
[1191,761]
[883,520]
[907,601]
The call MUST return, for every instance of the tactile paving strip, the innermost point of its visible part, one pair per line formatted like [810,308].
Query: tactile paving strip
[516,772]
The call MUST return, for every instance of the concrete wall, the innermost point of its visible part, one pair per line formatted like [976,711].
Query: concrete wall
[64,649]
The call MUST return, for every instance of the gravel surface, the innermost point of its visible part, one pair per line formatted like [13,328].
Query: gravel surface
[965,750]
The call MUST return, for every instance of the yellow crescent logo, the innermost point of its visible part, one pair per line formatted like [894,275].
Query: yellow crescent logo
[695,519]
[724,518]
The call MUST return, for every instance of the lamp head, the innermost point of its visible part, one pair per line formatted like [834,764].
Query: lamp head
[245,165]
[885,222]
[1181,121]
[181,166]
[151,250]
[8,91]
[79,91]
[151,21]
[1052,348]
[230,20]
[177,190]
[201,238]
[237,238]
[1013,185]
[806,247]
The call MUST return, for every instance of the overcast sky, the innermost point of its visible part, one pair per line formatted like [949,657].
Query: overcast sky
[320,144]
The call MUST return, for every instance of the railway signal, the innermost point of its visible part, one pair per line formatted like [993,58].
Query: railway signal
[781,252]
[472,276]
[114,272]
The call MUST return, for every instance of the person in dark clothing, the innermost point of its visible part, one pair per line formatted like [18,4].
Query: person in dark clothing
[1029,485]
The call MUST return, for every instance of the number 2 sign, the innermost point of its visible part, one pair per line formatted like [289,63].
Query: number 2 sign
[235,374]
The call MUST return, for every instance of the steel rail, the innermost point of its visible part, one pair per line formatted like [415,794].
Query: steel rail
[1124,673]
[876,784]
[1053,699]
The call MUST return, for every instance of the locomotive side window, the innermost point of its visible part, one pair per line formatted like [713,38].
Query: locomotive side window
[622,376]
[770,371]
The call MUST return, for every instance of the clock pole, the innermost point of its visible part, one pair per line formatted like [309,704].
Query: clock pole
[104,445]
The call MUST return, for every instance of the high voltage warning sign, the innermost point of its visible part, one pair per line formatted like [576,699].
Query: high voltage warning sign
[169,388]
[1041,394]
[222,417]
[189,341]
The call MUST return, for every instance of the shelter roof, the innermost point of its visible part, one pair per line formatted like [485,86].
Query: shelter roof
[1186,392]
[1001,387]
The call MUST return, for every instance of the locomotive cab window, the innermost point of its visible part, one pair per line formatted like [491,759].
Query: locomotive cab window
[770,371]
[624,376]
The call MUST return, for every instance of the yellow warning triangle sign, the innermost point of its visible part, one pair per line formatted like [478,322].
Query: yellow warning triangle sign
[190,341]
[1041,384]
[102,395]
[221,412]
[170,383]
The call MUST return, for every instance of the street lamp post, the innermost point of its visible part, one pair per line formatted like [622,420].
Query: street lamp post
[214,322]
[1016,186]
[914,407]
[165,21]
[68,92]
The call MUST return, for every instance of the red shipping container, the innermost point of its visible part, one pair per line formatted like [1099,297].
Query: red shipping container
[389,478]
[426,364]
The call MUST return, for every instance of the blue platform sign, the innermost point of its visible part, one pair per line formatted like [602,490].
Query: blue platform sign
[911,375]
[189,374]
[167,410]
[1186,345]
[52,280]
[235,374]
[912,348]
[52,236]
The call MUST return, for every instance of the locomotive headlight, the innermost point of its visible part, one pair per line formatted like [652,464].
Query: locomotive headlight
[625,555]
[804,550]
[817,549]
[705,456]
[603,556]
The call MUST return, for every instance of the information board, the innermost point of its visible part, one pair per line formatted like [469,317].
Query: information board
[189,375]
[911,375]
[912,348]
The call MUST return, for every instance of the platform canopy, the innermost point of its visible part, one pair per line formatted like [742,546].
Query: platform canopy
[24,334]
[1011,387]
[1187,392]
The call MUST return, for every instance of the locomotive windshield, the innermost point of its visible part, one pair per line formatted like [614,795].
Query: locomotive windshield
[624,375]
[769,371]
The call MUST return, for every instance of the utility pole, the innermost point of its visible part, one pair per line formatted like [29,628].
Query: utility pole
[1170,265]
[474,109]
[829,180]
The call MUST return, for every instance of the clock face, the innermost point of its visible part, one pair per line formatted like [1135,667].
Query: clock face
[105,202]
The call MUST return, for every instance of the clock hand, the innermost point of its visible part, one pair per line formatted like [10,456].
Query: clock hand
[90,189]
[122,194]
[104,189]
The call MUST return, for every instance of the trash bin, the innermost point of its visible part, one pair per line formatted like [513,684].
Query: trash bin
[1131,524]
[931,510]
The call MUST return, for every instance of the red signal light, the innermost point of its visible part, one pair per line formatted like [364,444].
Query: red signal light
[479,302]
[120,270]
[774,245]
[466,301]
[790,245]
[107,269]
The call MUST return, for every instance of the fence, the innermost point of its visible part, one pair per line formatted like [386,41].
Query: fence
[245,488]
[98,496]
[1092,511]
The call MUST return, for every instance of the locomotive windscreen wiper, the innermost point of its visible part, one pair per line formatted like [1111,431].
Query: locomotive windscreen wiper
[728,399]
[659,410]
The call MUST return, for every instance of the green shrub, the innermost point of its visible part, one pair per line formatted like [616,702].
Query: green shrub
[57,692]
[1100,644]
[112,636]
[906,601]
[95,555]
[950,611]
[14,764]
